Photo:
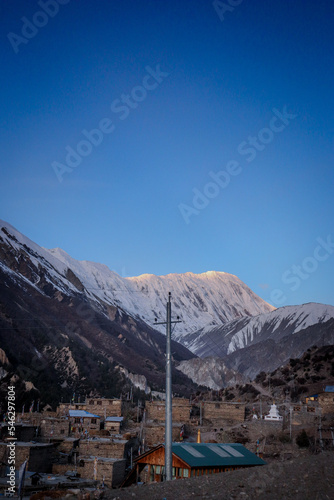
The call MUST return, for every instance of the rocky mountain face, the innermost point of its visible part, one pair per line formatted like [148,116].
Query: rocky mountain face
[247,331]
[77,325]
[56,337]
[210,372]
[263,343]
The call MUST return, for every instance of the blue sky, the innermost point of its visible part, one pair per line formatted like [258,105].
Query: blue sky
[215,149]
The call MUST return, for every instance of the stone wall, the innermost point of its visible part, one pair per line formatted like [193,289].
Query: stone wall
[326,402]
[109,448]
[54,427]
[113,471]
[23,432]
[39,456]
[99,406]
[104,407]
[221,412]
[155,434]
[181,407]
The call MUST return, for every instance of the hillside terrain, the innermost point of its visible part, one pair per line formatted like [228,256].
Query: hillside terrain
[78,327]
[270,341]
[307,477]
[292,381]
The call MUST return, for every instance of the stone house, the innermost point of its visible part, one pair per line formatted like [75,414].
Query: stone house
[222,412]
[155,410]
[39,455]
[113,424]
[82,420]
[102,407]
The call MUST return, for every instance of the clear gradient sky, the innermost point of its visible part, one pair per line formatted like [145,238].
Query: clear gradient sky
[216,149]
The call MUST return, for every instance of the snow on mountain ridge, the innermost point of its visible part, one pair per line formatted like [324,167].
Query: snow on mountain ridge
[209,299]
[300,317]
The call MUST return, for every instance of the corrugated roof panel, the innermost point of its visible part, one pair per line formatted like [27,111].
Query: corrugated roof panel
[114,419]
[82,413]
[192,451]
[232,451]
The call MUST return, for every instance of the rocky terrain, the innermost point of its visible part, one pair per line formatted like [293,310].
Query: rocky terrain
[306,477]
[293,380]
[78,327]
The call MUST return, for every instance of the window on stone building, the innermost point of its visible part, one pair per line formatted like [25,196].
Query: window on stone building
[91,402]
[217,405]
[99,403]
[93,421]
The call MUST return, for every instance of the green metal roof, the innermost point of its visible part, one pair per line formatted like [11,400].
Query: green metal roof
[215,454]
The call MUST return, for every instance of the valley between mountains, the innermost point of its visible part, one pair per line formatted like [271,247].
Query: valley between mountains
[76,326]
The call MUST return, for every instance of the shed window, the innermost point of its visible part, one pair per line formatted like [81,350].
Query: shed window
[157,469]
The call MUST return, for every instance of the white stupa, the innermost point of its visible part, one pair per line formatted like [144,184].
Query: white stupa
[273,415]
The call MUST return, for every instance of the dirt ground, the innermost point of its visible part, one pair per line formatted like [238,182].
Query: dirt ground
[308,477]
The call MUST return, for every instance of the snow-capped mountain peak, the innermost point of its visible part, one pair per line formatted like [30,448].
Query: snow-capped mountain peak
[201,300]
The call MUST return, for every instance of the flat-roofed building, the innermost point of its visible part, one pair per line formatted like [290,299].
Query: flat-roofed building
[82,420]
[113,424]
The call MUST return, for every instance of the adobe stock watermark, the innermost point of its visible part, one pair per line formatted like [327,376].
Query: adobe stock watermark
[121,107]
[250,149]
[30,27]
[296,274]
[227,6]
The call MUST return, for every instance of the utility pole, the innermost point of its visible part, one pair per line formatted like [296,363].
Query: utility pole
[168,407]
[320,434]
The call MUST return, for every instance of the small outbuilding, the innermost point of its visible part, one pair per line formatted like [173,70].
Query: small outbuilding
[113,424]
